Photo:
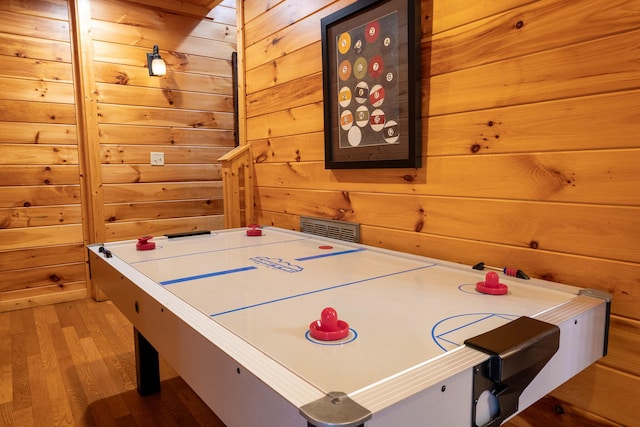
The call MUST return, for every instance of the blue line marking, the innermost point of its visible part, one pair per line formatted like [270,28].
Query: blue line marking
[320,290]
[218,250]
[349,251]
[204,276]
[441,336]
[338,342]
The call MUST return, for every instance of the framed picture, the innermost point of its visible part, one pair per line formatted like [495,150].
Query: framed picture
[371,80]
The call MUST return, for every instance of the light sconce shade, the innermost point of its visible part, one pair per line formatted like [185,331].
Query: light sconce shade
[156,64]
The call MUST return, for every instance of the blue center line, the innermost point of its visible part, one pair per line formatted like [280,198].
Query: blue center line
[321,290]
[348,251]
[204,276]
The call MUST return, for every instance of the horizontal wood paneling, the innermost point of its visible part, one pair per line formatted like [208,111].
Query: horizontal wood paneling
[126,95]
[256,8]
[589,68]
[528,29]
[42,296]
[33,48]
[303,91]
[624,340]
[302,62]
[115,134]
[32,237]
[187,114]
[280,16]
[282,41]
[289,148]
[117,174]
[39,175]
[132,230]
[23,111]
[29,68]
[14,154]
[145,192]
[307,119]
[136,115]
[523,224]
[40,195]
[39,216]
[35,26]
[135,35]
[529,144]
[139,76]
[118,154]
[177,61]
[39,91]
[40,257]
[444,15]
[554,177]
[584,391]
[23,133]
[138,15]
[134,211]
[593,122]
[125,114]
[41,276]
[56,9]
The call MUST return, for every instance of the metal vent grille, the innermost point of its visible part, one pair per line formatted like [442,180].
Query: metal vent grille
[340,230]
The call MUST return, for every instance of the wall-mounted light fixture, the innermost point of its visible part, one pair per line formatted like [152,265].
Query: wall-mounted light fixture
[156,64]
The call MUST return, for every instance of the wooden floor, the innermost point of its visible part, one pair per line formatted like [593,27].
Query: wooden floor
[72,364]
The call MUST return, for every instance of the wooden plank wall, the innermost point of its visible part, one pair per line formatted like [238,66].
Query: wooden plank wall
[187,115]
[41,227]
[79,116]
[531,154]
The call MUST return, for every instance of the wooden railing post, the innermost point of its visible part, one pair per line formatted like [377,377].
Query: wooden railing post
[237,165]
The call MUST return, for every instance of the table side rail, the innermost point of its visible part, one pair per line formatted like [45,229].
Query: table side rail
[222,369]
[430,388]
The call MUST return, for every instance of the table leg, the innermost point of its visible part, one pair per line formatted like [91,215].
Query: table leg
[147,365]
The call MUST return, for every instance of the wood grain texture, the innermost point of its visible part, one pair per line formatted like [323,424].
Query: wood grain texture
[186,114]
[553,177]
[530,124]
[39,195]
[74,364]
[145,192]
[40,185]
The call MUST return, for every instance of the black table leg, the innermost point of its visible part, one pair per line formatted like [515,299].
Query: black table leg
[147,365]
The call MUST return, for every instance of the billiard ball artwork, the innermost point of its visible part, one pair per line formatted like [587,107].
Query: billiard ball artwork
[368,89]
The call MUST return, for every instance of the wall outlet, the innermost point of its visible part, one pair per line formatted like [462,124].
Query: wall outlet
[157,158]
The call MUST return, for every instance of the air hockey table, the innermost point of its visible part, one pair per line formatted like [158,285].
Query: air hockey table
[232,312]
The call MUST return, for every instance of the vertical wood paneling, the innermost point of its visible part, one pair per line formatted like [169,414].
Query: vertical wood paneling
[530,145]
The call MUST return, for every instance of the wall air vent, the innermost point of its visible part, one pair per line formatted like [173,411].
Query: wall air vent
[341,230]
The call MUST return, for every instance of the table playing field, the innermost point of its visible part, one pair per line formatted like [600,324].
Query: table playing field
[403,311]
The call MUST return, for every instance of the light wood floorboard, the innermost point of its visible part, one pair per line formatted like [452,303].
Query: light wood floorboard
[73,364]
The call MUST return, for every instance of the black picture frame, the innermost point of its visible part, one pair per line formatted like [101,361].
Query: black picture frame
[372,85]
